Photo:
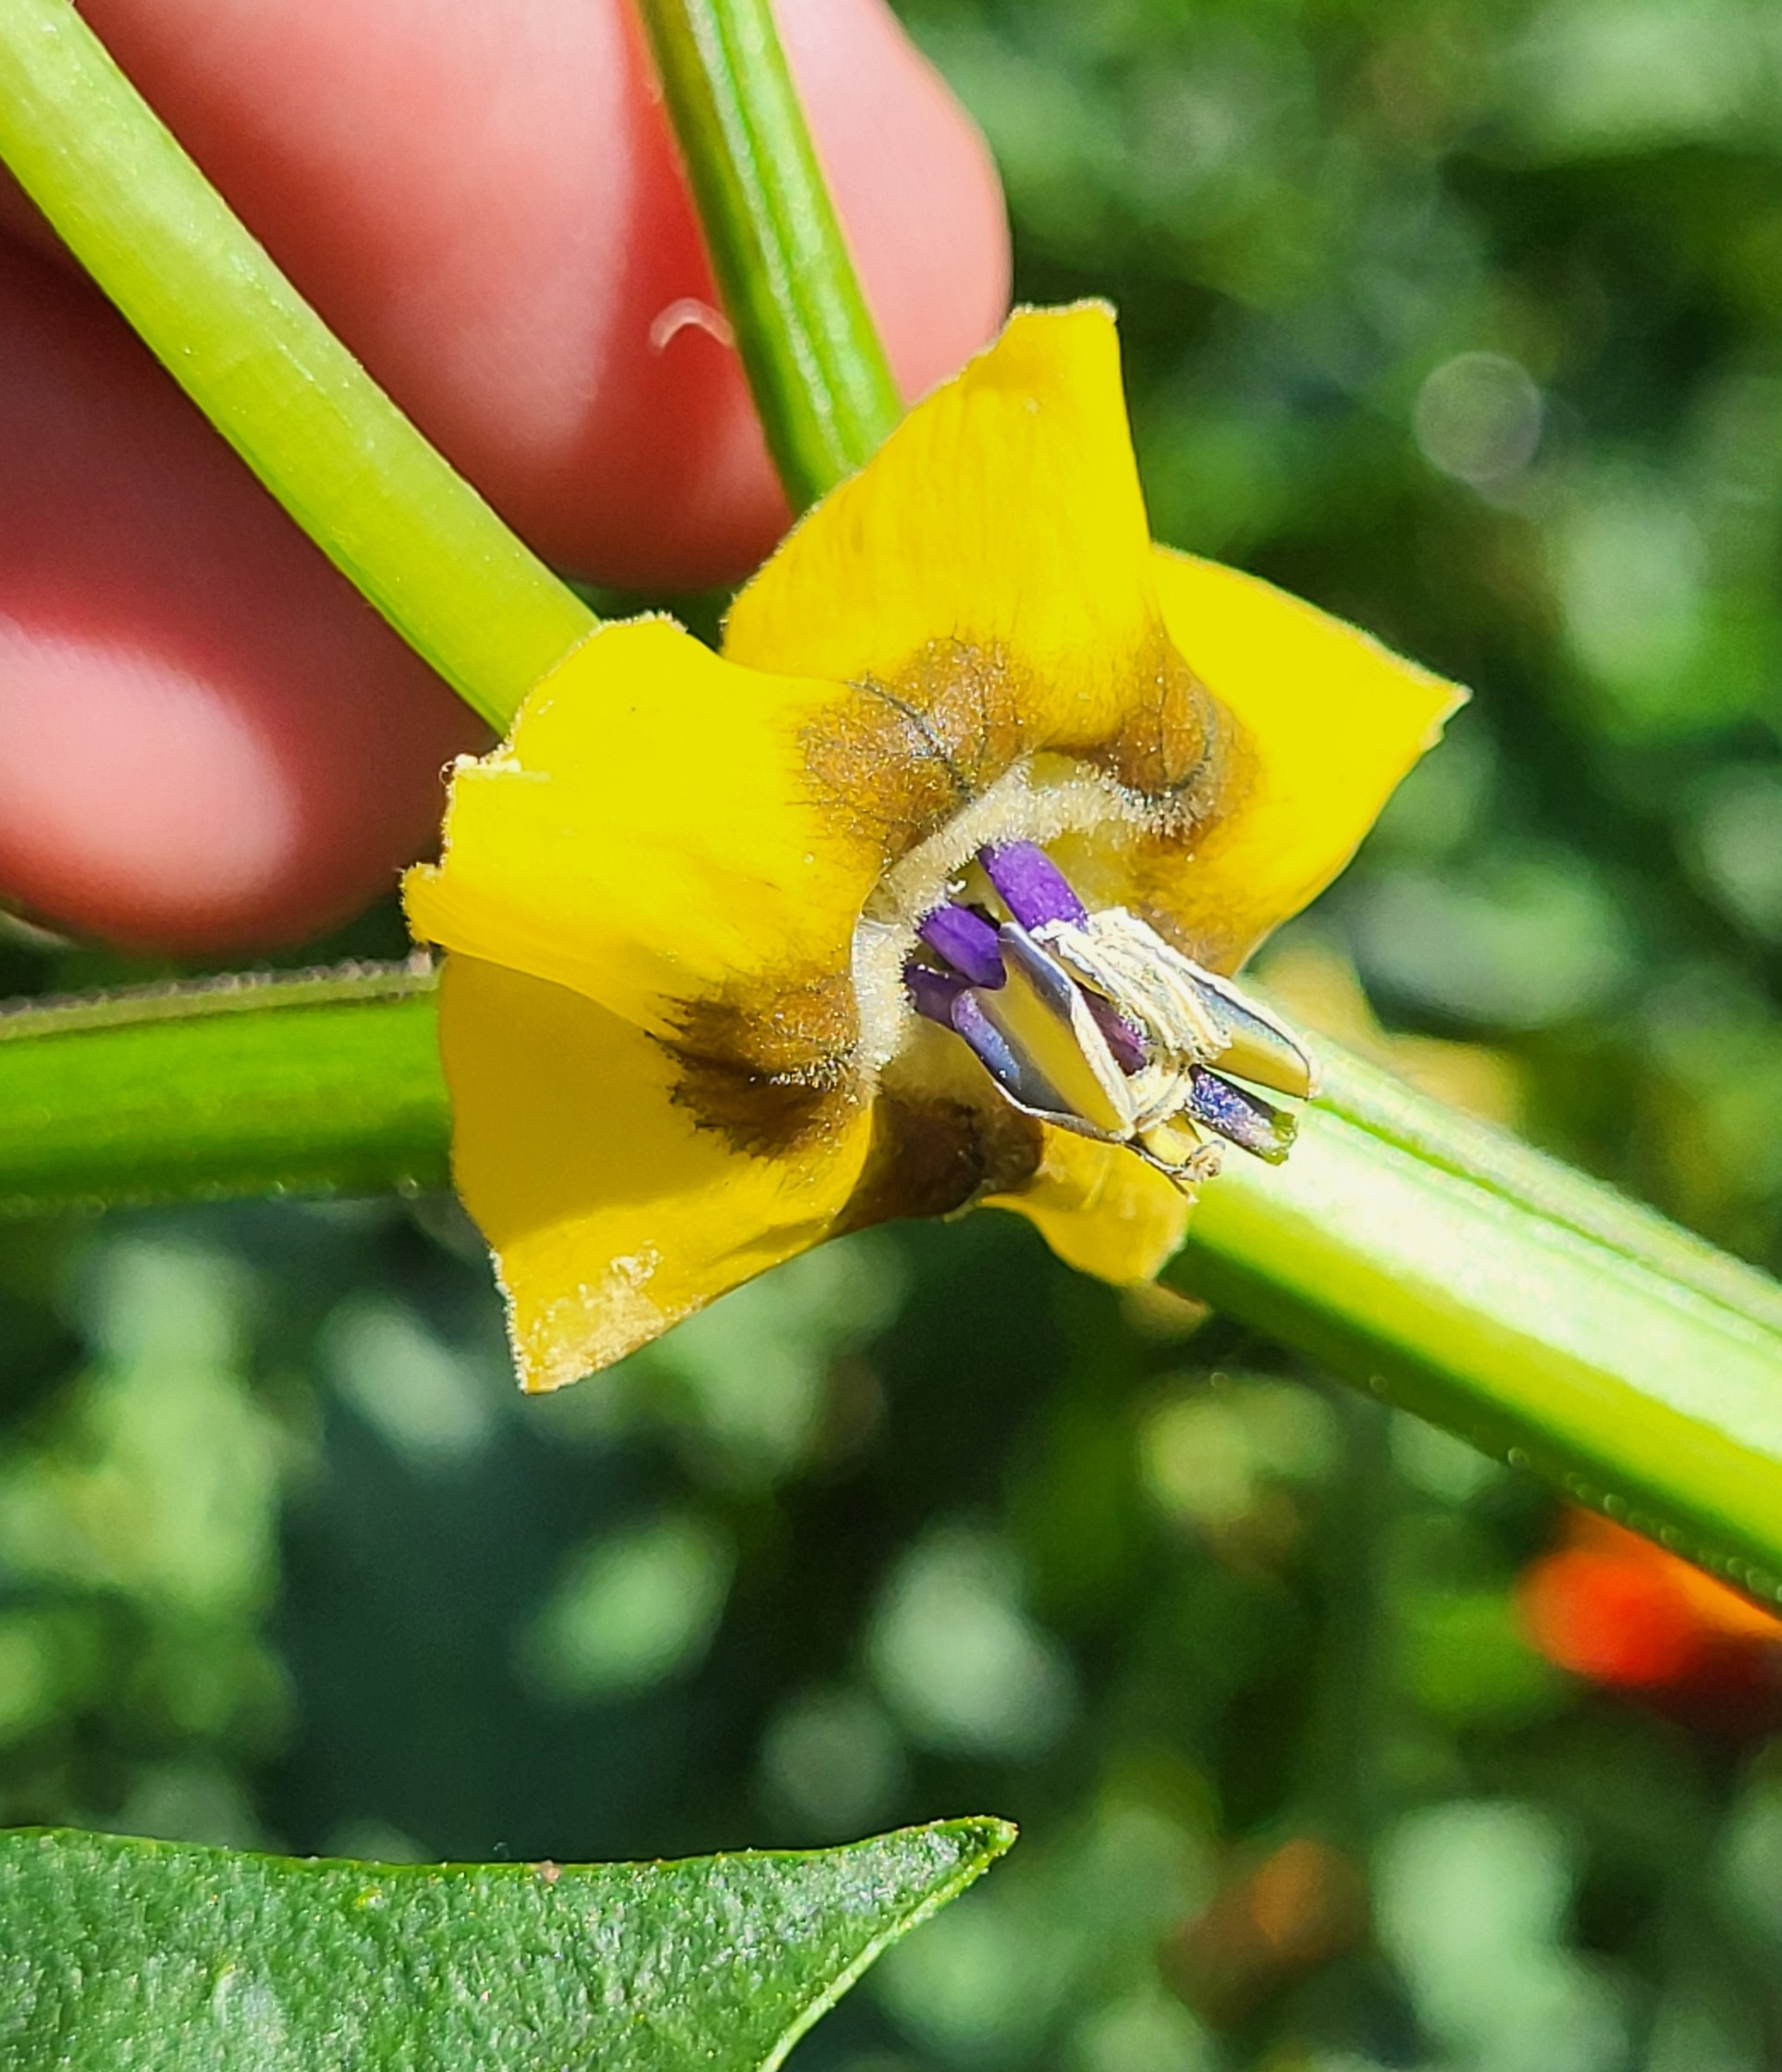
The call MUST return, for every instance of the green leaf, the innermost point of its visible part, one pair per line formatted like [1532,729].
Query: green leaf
[820,377]
[386,508]
[143,1956]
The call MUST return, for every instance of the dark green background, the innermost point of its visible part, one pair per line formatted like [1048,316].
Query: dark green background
[1465,320]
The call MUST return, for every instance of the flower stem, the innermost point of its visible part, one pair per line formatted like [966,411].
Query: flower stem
[385,507]
[324,1081]
[1535,1314]
[821,382]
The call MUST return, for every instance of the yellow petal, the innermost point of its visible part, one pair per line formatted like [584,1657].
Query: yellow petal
[1330,723]
[1003,520]
[612,1213]
[1100,1209]
[649,835]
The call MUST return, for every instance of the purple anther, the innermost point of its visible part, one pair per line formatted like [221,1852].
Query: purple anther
[1126,1045]
[932,994]
[1252,1124]
[1033,888]
[967,942]
[993,1049]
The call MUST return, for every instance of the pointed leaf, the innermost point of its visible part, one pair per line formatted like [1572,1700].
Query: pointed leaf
[144,1956]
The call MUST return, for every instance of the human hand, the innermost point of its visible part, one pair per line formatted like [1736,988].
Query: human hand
[207,741]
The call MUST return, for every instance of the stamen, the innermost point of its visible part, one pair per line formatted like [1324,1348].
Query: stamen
[1256,1046]
[1199,1015]
[1243,1119]
[932,994]
[1093,1023]
[1034,1033]
[1131,1052]
[967,942]
[1032,886]
[1044,1017]
[1178,1151]
[1014,1074]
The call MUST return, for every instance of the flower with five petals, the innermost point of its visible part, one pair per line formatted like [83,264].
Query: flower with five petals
[923,893]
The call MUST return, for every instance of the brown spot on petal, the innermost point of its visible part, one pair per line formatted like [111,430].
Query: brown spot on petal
[770,1069]
[1169,747]
[1189,758]
[933,1154]
[903,756]
[900,758]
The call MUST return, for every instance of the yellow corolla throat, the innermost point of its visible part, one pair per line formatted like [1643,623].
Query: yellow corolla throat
[925,893]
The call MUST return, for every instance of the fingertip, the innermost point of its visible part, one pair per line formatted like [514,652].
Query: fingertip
[913,181]
[146,800]
[207,740]
[486,202]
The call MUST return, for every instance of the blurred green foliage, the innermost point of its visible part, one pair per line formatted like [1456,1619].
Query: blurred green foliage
[1465,320]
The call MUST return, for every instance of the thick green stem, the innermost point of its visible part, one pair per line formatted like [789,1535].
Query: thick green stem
[1416,1253]
[407,530]
[821,382]
[1537,1315]
[324,1081]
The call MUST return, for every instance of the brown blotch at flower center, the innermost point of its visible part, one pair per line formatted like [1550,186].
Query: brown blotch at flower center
[898,763]
[771,1071]
[899,760]
[934,1156]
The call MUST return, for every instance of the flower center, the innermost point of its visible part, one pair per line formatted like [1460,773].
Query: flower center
[1092,1022]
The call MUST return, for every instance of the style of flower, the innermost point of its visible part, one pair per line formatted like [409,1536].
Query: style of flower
[924,894]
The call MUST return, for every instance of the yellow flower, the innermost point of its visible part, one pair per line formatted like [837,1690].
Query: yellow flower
[914,899]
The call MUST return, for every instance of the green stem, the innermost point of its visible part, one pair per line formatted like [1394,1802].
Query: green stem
[321,1082]
[384,506]
[1454,1271]
[821,382]
[1416,1253]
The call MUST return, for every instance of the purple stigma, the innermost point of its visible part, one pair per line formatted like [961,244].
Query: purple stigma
[1033,888]
[967,942]
[932,994]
